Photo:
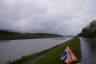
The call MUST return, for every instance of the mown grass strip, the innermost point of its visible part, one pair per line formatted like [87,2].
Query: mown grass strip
[54,57]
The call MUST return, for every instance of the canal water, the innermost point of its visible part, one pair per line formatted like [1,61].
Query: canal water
[88,51]
[15,49]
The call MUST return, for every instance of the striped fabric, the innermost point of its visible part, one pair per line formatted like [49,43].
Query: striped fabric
[68,56]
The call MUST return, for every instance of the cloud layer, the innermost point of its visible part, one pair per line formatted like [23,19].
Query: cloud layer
[66,17]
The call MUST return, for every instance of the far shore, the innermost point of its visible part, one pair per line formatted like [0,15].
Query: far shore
[27,36]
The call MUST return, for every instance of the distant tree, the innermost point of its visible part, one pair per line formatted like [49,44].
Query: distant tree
[7,32]
[92,24]
[90,30]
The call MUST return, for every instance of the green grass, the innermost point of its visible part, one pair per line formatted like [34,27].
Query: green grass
[53,55]
[27,36]
[92,38]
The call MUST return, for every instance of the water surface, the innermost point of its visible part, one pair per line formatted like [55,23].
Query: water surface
[14,49]
[88,50]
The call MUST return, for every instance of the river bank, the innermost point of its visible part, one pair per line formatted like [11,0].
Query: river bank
[52,55]
[27,36]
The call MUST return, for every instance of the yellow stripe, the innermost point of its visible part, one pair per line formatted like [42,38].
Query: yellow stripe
[78,63]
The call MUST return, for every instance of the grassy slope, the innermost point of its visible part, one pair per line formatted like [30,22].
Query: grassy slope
[92,38]
[54,57]
[26,36]
[54,54]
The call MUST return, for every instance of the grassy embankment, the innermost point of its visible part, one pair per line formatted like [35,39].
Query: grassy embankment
[92,38]
[27,36]
[52,55]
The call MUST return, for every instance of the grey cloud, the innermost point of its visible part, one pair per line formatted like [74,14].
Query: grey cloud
[66,17]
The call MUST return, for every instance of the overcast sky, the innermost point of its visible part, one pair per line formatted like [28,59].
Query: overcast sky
[66,17]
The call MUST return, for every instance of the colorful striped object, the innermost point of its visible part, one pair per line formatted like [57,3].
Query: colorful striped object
[68,56]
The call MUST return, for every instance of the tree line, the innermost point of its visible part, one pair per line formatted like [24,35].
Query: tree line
[90,30]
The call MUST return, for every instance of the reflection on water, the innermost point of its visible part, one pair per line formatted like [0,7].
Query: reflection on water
[88,51]
[3,41]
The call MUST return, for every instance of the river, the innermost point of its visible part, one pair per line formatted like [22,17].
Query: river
[88,51]
[15,49]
